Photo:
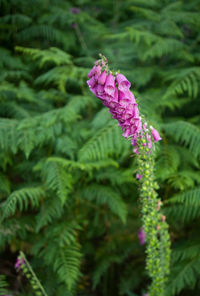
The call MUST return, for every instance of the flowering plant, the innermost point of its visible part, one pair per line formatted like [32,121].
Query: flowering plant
[113,89]
[23,265]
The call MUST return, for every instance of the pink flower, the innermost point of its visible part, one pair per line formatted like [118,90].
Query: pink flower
[142,236]
[19,262]
[126,133]
[92,72]
[124,99]
[138,176]
[116,95]
[93,89]
[97,72]
[149,141]
[134,143]
[110,85]
[156,135]
[159,205]
[123,83]
[138,125]
[102,78]
[99,90]
[91,82]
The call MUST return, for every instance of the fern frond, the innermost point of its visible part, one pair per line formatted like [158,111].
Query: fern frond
[184,133]
[67,264]
[66,233]
[163,46]
[101,119]
[53,55]
[105,195]
[3,285]
[19,20]
[31,132]
[184,179]
[169,28]
[65,259]
[58,180]
[58,76]
[108,141]
[67,146]
[184,275]
[43,31]
[185,251]
[144,3]
[139,35]
[50,210]
[168,162]
[14,110]
[147,13]
[88,166]
[185,206]
[184,81]
[21,199]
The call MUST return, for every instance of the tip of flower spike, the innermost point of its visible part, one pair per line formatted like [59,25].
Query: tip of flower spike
[103,58]
[19,262]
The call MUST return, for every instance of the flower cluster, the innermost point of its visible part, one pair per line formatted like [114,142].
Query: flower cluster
[114,92]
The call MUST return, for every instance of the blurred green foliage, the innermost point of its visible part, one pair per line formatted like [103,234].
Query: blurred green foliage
[68,192]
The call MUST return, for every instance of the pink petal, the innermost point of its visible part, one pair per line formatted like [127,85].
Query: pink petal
[126,133]
[156,135]
[93,89]
[138,176]
[97,72]
[110,85]
[91,82]
[99,89]
[123,83]
[102,78]
[92,72]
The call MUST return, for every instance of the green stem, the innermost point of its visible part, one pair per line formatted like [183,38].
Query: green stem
[154,225]
[34,277]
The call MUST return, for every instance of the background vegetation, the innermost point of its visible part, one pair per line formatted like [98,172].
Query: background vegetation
[68,191]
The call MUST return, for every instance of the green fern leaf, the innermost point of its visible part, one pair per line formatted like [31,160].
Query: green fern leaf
[184,275]
[3,285]
[108,141]
[21,199]
[67,264]
[185,133]
[105,195]
[58,180]
[185,206]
